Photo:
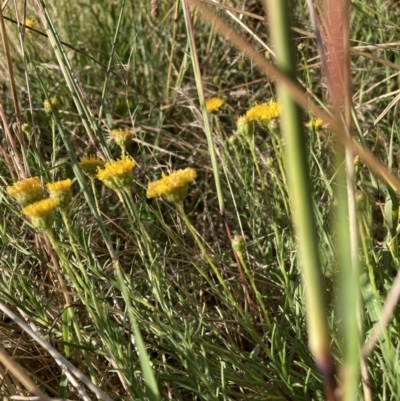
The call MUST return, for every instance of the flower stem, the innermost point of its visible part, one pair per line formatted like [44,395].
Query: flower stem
[208,258]
[69,306]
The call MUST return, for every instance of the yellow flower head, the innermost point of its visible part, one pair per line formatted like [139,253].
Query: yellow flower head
[117,173]
[26,191]
[315,123]
[172,187]
[61,192]
[122,137]
[41,213]
[264,112]
[90,164]
[30,23]
[213,104]
[49,103]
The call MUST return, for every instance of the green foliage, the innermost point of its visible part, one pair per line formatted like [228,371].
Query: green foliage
[157,306]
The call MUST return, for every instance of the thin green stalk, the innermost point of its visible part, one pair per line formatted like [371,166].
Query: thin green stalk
[62,392]
[133,225]
[103,93]
[53,155]
[94,192]
[70,310]
[145,238]
[300,191]
[149,379]
[255,289]
[76,253]
[171,54]
[200,93]
[260,176]
[204,252]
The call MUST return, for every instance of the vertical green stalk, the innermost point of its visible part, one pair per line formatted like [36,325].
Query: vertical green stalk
[147,370]
[203,250]
[300,191]
[53,156]
[103,93]
[70,311]
[348,286]
[200,92]
[238,245]
[257,166]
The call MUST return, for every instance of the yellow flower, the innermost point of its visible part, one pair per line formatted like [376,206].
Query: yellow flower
[213,104]
[50,104]
[172,187]
[90,164]
[122,137]
[26,191]
[315,123]
[264,112]
[30,23]
[117,173]
[61,192]
[41,213]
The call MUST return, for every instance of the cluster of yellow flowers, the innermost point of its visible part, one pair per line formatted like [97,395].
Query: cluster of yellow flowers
[29,194]
[264,112]
[117,174]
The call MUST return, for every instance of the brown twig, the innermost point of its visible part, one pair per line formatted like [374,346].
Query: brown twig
[21,376]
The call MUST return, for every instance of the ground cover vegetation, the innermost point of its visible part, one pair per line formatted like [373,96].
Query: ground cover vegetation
[159,194]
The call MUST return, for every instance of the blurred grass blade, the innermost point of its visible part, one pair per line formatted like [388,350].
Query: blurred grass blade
[200,93]
[300,191]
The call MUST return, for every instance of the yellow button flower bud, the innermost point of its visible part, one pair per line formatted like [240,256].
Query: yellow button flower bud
[26,191]
[117,173]
[238,244]
[173,187]
[90,164]
[61,192]
[41,213]
[243,127]
[50,105]
[122,137]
